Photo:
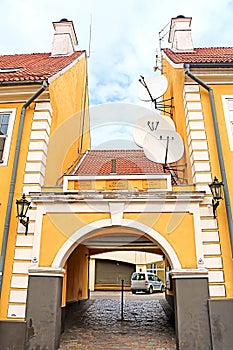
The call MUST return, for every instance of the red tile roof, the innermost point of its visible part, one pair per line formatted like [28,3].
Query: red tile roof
[99,162]
[202,55]
[33,67]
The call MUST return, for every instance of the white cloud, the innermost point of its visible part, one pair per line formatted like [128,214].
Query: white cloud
[124,35]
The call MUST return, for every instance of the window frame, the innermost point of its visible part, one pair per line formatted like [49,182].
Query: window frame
[8,138]
[226,112]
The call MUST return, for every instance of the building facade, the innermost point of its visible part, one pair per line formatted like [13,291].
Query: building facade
[86,202]
[200,83]
[44,124]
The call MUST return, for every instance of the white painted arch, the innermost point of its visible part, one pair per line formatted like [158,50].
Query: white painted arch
[86,231]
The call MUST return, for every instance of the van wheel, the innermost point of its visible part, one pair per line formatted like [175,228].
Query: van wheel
[150,290]
[133,291]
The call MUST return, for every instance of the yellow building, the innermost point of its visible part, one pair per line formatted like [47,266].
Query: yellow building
[200,83]
[115,200]
[44,127]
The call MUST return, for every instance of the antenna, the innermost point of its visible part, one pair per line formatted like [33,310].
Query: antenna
[90,32]
[164,146]
[162,35]
[149,125]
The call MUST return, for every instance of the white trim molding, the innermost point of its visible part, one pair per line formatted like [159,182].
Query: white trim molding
[46,271]
[189,273]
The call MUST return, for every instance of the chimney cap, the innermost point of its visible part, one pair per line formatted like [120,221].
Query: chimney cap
[64,39]
[179,23]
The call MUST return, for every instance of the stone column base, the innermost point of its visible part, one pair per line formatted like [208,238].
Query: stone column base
[191,295]
[43,314]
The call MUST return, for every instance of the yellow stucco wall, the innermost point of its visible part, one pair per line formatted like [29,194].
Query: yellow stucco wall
[175,90]
[6,171]
[58,227]
[176,228]
[77,274]
[69,100]
[112,185]
[69,96]
[220,90]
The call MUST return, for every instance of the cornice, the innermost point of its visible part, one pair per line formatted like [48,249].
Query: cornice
[20,93]
[95,196]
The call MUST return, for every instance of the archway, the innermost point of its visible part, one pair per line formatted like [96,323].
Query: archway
[87,231]
[101,232]
[190,284]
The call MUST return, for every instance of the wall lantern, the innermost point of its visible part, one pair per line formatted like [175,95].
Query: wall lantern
[22,207]
[216,188]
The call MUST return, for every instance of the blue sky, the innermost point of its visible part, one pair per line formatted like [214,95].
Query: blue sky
[124,41]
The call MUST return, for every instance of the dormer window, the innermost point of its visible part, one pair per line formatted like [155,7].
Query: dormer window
[11,69]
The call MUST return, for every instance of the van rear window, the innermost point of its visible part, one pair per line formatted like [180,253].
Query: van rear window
[138,277]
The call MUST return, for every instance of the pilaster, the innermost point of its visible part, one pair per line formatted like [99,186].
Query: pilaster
[26,247]
[202,177]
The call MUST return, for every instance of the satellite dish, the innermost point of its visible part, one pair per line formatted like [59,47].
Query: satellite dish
[163,146]
[149,125]
[152,88]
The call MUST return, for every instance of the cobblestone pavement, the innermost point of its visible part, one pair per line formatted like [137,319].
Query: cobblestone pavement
[97,324]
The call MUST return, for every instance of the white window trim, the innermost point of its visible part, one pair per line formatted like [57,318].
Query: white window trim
[227,119]
[6,151]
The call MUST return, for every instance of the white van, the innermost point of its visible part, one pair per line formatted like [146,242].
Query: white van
[146,282]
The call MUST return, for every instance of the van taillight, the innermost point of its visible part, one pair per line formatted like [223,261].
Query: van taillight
[146,283]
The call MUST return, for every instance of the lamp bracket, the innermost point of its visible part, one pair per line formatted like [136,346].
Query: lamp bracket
[215,204]
[25,223]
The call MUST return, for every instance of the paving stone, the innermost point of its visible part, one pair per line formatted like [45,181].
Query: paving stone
[97,324]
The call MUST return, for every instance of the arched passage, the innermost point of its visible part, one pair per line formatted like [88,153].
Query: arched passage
[189,286]
[85,232]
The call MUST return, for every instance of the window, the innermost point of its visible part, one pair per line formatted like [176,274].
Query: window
[6,127]
[4,122]
[138,276]
[228,113]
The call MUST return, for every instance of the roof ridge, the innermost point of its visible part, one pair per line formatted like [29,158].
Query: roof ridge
[200,48]
[114,149]
[39,53]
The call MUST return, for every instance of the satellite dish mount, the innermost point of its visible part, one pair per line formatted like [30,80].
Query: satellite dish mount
[158,104]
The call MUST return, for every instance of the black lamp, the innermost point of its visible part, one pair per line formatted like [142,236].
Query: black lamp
[22,207]
[216,188]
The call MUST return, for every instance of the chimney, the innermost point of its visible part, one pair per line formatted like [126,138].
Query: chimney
[180,35]
[64,40]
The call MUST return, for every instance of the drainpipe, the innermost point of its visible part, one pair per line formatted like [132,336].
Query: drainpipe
[13,180]
[219,150]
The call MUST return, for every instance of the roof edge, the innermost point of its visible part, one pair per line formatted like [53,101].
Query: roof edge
[23,82]
[66,68]
[210,64]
